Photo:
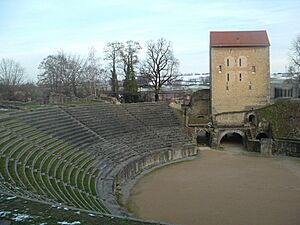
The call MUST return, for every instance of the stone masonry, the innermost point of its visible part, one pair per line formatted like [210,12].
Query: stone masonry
[240,71]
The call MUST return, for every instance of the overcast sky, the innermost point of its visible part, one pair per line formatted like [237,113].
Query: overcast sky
[30,30]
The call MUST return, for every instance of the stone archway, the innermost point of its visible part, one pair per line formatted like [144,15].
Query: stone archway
[202,137]
[222,134]
[251,118]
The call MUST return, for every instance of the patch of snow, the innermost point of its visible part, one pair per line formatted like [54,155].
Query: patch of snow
[67,223]
[66,209]
[78,212]
[10,198]
[21,217]
[90,214]
[4,213]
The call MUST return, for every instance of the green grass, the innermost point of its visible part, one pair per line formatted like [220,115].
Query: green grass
[284,117]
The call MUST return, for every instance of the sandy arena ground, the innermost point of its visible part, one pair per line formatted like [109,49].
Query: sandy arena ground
[222,188]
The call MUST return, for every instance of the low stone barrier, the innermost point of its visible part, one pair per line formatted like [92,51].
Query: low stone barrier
[110,186]
[286,147]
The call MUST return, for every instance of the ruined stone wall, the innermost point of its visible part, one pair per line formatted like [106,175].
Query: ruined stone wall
[200,102]
[235,84]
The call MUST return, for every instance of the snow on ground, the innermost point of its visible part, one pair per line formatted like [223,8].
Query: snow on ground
[4,213]
[21,217]
[10,198]
[67,223]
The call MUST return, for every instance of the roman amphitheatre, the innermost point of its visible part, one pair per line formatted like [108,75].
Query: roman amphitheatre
[139,163]
[78,157]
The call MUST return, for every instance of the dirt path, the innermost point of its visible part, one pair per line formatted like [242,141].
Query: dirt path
[222,187]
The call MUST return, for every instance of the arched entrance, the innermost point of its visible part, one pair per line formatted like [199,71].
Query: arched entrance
[202,137]
[251,118]
[231,138]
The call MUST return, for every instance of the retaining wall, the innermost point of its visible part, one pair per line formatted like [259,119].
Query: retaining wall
[286,147]
[229,119]
[110,186]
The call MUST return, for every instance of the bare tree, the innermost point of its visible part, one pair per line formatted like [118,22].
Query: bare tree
[112,53]
[11,77]
[294,68]
[160,66]
[61,73]
[92,72]
[11,72]
[130,60]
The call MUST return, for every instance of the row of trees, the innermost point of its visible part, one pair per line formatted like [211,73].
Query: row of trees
[70,74]
[74,76]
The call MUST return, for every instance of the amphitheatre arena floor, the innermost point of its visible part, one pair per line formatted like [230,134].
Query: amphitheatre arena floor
[228,187]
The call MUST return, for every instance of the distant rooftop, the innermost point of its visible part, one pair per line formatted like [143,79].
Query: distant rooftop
[238,38]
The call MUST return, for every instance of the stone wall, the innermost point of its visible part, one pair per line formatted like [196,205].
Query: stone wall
[229,119]
[235,85]
[286,147]
[252,145]
[148,161]
[111,185]
[200,102]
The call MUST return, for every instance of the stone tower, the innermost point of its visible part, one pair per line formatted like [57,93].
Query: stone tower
[239,71]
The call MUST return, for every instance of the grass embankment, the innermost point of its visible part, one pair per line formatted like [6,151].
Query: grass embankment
[284,117]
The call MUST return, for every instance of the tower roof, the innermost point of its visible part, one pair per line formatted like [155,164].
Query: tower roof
[238,38]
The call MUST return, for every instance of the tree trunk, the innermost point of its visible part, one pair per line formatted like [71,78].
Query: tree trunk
[156,96]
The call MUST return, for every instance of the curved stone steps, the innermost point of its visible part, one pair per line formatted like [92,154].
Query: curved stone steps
[19,157]
[18,150]
[15,164]
[61,188]
[11,141]
[85,165]
[35,176]
[29,171]
[14,177]
[90,163]
[67,169]
[10,175]
[54,160]
[62,162]
[34,136]
[54,185]
[36,117]
[78,161]
[94,174]
[4,133]
[42,174]
[89,176]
